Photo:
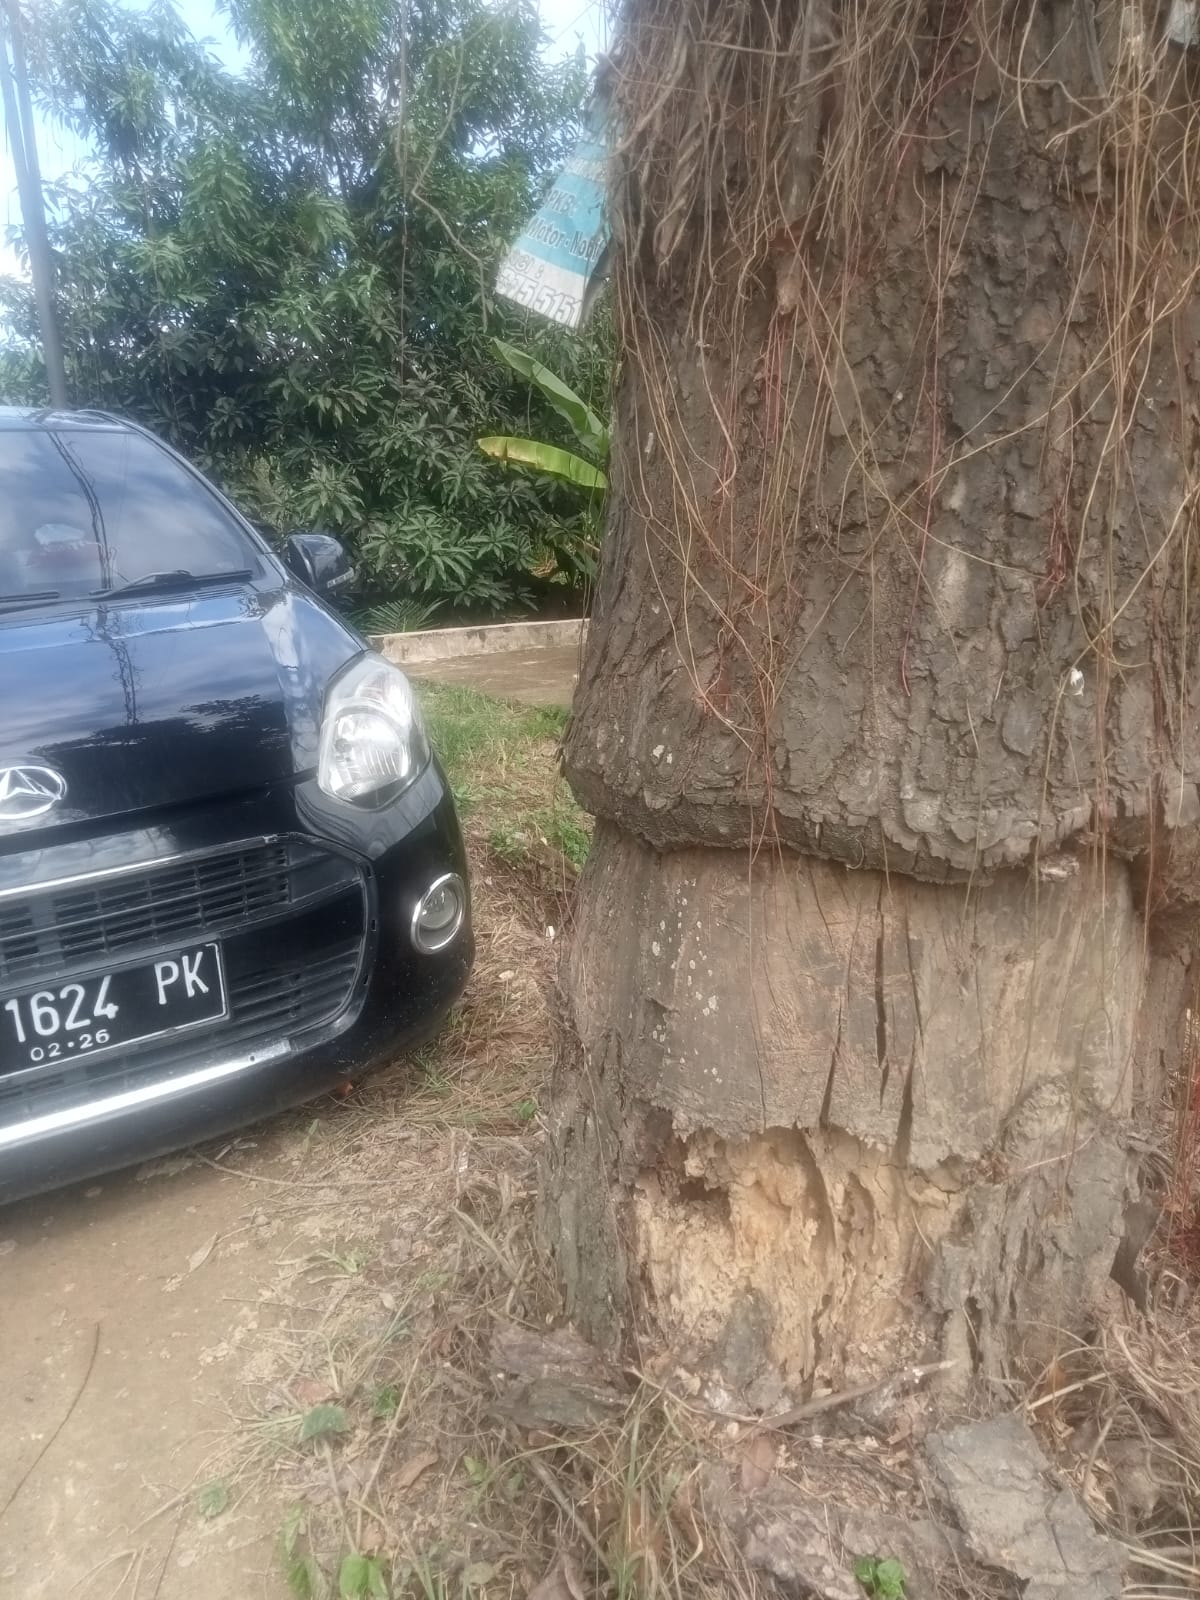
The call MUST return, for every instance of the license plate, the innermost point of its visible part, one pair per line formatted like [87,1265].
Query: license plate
[108,1010]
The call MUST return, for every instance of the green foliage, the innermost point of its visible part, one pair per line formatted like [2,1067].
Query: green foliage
[509,842]
[566,829]
[552,828]
[589,430]
[548,459]
[322,1421]
[386,1402]
[212,1498]
[545,458]
[882,1579]
[405,615]
[301,1570]
[288,273]
[305,1578]
[362,1578]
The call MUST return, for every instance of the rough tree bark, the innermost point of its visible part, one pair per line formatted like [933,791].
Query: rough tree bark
[889,714]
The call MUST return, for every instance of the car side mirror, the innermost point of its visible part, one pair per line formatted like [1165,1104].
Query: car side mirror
[320,562]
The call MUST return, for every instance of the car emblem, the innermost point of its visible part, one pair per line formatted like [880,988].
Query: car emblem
[29,792]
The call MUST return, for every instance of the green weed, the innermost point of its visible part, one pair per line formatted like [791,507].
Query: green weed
[212,1499]
[882,1578]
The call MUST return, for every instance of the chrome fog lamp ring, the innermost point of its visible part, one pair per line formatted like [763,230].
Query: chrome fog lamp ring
[439,914]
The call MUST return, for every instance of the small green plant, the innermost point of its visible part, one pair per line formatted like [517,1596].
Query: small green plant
[386,1402]
[509,843]
[583,472]
[525,1110]
[565,828]
[592,433]
[305,1578]
[404,615]
[212,1499]
[322,1421]
[430,1580]
[487,1481]
[882,1578]
[363,1578]
[300,1568]
[351,1262]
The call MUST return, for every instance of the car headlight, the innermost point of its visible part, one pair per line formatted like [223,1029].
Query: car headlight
[373,740]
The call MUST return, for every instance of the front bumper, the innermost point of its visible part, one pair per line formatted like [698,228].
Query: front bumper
[56,1129]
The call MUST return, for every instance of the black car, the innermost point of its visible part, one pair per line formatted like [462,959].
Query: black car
[231,874]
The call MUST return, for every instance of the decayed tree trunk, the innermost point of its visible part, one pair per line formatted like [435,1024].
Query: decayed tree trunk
[889,710]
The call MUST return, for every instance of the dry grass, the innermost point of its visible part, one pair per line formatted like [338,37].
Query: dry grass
[1123,1418]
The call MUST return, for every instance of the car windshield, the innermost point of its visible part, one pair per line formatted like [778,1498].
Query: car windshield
[88,511]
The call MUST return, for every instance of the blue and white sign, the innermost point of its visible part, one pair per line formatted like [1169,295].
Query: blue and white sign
[557,263]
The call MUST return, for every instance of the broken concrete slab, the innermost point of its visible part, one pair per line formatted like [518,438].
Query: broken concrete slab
[1017,1517]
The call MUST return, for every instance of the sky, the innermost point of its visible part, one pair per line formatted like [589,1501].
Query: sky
[566,22]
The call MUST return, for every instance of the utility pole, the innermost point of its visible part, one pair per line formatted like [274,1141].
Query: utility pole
[18,115]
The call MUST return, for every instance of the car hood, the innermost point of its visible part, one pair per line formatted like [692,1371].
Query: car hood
[162,700]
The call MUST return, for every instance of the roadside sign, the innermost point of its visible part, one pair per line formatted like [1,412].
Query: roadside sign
[560,258]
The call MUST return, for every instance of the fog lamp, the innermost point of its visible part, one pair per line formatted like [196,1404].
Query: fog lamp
[439,914]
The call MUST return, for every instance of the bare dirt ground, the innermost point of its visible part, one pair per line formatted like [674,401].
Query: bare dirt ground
[135,1309]
[170,1332]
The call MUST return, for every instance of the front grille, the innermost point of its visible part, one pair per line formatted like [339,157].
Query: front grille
[50,932]
[292,922]
[285,999]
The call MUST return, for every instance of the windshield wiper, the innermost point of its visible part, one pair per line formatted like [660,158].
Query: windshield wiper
[180,578]
[31,599]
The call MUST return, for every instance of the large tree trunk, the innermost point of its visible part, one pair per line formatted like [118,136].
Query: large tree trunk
[890,708]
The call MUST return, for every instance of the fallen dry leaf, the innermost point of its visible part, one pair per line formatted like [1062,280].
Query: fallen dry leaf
[758,1463]
[562,1582]
[414,1467]
[312,1392]
[200,1256]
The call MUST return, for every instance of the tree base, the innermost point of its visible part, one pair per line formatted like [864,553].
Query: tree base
[812,1119]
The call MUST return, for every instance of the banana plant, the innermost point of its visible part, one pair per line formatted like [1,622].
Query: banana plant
[550,459]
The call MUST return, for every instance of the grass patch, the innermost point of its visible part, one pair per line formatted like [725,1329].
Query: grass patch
[478,737]
[501,760]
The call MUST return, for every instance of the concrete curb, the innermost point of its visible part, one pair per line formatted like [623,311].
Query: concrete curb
[446,644]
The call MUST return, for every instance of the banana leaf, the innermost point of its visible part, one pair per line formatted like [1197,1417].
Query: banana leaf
[589,429]
[547,458]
